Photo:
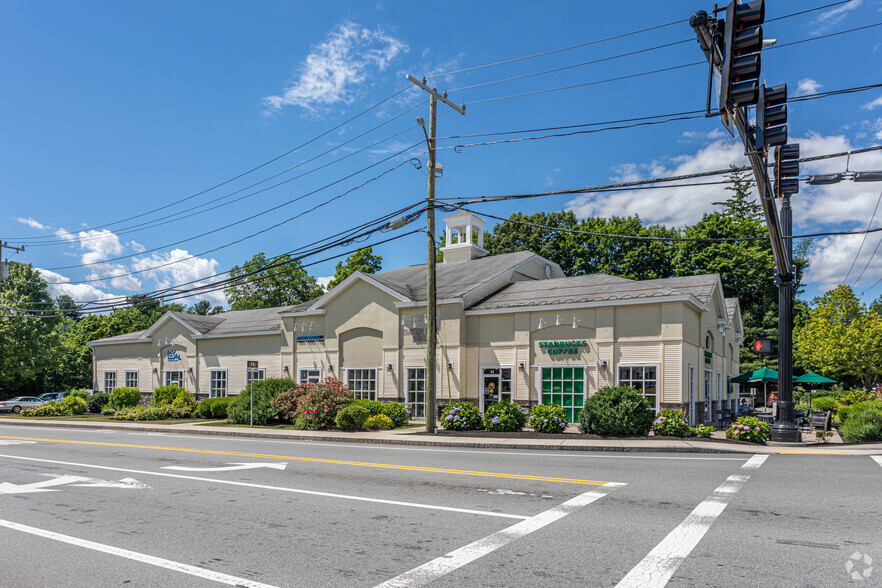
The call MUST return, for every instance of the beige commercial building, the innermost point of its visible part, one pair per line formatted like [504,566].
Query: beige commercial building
[510,327]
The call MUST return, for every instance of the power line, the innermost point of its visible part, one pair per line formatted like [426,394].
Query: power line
[863,240]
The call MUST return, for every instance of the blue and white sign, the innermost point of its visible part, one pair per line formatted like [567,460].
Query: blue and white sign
[172,355]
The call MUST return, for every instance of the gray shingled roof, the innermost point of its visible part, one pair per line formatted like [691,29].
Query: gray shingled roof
[120,338]
[595,288]
[452,280]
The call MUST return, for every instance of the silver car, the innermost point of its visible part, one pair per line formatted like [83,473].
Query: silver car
[19,403]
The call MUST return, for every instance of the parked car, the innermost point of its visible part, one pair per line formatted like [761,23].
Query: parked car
[19,403]
[53,396]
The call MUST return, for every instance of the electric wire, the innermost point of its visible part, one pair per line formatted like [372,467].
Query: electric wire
[863,240]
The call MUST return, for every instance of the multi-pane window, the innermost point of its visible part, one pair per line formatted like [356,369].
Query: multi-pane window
[642,377]
[310,376]
[564,386]
[109,381]
[217,385]
[362,382]
[131,379]
[708,395]
[416,391]
[174,377]
[254,375]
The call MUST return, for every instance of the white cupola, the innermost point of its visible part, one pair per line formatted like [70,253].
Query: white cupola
[464,237]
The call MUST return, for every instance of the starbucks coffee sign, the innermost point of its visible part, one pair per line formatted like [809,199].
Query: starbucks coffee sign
[562,347]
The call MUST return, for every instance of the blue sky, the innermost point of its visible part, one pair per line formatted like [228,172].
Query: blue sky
[112,110]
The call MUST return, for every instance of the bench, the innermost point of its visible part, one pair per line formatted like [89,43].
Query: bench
[820,420]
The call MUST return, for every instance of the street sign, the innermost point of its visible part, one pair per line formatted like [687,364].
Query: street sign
[252,365]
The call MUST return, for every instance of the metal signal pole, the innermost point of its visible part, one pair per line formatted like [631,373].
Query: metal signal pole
[431,316]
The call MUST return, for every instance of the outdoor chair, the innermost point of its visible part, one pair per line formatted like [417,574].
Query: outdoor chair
[820,420]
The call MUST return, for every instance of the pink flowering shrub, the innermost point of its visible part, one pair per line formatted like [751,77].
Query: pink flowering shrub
[750,429]
[313,406]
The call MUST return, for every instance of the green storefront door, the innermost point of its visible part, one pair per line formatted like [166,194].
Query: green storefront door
[564,386]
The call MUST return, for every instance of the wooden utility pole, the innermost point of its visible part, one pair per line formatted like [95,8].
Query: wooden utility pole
[4,265]
[431,316]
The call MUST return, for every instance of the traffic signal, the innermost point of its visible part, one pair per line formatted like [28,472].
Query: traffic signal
[742,42]
[786,170]
[771,117]
[762,346]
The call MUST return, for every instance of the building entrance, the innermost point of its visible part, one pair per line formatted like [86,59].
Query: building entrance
[496,386]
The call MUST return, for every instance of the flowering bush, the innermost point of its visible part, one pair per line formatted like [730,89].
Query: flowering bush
[749,429]
[379,421]
[671,424]
[394,410]
[315,405]
[701,431]
[621,410]
[461,416]
[548,418]
[505,416]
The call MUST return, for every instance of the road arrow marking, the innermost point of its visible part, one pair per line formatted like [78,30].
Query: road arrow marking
[14,442]
[46,485]
[230,467]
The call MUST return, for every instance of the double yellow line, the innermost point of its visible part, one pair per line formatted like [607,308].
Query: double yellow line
[363,464]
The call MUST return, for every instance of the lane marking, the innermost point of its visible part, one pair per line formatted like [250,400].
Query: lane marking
[136,556]
[441,566]
[55,480]
[877,459]
[324,461]
[812,451]
[656,569]
[15,442]
[229,468]
[279,488]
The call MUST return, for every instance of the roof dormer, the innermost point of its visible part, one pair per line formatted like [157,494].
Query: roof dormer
[464,237]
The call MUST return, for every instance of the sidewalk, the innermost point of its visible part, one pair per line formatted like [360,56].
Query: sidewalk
[571,440]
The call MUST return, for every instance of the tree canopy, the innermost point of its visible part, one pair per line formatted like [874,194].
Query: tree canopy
[259,286]
[362,260]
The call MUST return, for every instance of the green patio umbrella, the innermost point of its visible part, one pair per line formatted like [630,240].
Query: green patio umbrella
[763,375]
[813,378]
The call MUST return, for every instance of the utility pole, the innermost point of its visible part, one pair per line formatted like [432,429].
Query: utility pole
[4,265]
[431,316]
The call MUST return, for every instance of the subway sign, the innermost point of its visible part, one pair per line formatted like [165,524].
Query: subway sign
[562,347]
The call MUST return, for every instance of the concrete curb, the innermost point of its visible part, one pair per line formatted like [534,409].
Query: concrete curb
[511,444]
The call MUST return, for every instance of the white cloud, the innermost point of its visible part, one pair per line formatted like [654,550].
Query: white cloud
[869,105]
[323,281]
[834,16]
[336,65]
[118,272]
[181,270]
[832,257]
[63,234]
[32,223]
[59,285]
[808,86]
[136,247]
[99,245]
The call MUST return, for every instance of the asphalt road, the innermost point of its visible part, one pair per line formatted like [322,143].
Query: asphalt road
[110,508]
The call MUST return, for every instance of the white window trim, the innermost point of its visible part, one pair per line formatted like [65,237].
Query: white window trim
[407,369]
[378,371]
[708,394]
[261,375]
[691,392]
[164,377]
[126,378]
[115,381]
[308,369]
[658,378]
[226,381]
[584,366]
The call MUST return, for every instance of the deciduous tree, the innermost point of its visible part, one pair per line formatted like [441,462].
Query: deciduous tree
[362,260]
[263,283]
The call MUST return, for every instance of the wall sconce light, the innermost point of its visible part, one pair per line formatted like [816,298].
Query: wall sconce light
[389,367]
[542,323]
[286,369]
[450,365]
[522,365]
[155,371]
[295,327]
[190,370]
[331,367]
[604,363]
[557,320]
[311,323]
[576,322]
[403,320]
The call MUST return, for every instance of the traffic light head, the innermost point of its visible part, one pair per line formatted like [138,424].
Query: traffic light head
[771,117]
[786,170]
[742,42]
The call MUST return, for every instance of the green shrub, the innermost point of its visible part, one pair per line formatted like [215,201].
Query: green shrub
[504,417]
[856,396]
[701,431]
[48,409]
[315,405]
[461,416]
[825,403]
[183,406]
[203,409]
[671,424]
[214,407]
[379,421]
[352,417]
[396,412]
[165,394]
[548,418]
[373,406]
[98,401]
[861,422]
[84,394]
[124,398]
[107,411]
[621,410]
[144,413]
[74,405]
[265,411]
[750,429]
